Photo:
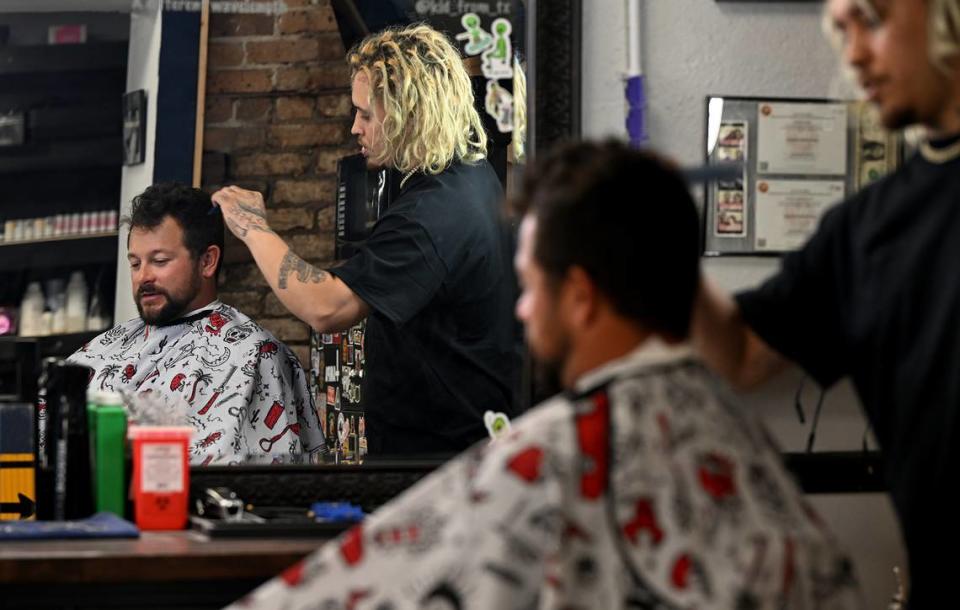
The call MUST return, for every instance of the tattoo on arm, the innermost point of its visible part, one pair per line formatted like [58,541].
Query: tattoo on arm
[237,228]
[248,218]
[306,273]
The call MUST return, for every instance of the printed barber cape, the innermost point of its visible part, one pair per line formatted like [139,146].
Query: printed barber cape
[647,490]
[245,392]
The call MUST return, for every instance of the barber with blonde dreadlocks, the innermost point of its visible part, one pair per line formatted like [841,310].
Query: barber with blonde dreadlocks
[434,279]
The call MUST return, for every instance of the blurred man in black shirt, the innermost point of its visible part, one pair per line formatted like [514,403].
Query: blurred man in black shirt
[874,294]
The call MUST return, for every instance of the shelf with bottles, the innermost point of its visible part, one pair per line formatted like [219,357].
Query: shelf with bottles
[75,225]
[45,240]
[68,305]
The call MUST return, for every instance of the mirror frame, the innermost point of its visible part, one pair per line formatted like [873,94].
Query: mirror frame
[554,66]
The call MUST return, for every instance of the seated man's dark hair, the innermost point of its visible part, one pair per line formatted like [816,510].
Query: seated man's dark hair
[627,218]
[190,207]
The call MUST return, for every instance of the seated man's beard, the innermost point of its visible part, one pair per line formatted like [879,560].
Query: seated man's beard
[172,309]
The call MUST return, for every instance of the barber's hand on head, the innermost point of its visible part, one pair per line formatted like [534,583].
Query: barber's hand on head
[243,210]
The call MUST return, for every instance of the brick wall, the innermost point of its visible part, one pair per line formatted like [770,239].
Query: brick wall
[277,119]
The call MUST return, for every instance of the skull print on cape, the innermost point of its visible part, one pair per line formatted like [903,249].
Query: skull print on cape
[645,488]
[245,392]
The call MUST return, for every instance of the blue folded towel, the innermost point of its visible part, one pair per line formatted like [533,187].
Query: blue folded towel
[100,525]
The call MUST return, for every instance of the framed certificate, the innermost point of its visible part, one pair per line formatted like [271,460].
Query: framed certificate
[786,162]
[802,139]
[788,211]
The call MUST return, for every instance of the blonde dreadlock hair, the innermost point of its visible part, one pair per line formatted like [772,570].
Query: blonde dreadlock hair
[418,79]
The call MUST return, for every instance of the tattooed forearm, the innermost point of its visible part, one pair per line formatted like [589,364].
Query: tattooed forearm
[242,218]
[306,273]
[255,218]
[237,229]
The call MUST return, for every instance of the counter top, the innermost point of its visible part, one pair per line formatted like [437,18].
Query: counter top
[154,557]
[159,570]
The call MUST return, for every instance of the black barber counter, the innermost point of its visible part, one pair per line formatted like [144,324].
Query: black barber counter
[214,562]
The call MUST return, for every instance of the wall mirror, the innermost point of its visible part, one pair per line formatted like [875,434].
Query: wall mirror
[102,98]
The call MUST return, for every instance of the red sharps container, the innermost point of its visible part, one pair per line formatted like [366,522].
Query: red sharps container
[161,476]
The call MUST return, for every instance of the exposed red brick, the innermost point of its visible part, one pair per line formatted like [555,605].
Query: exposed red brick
[337,105]
[249,302]
[309,134]
[266,164]
[303,90]
[282,51]
[239,81]
[329,76]
[225,54]
[218,109]
[327,158]
[243,276]
[310,20]
[285,219]
[287,329]
[303,191]
[313,247]
[219,138]
[294,108]
[252,137]
[254,109]
[214,166]
[326,219]
[292,79]
[227,24]
[273,306]
[330,47]
[227,139]
[302,352]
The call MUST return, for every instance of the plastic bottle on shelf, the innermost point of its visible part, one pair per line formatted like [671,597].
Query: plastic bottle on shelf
[96,318]
[31,309]
[45,327]
[56,322]
[76,303]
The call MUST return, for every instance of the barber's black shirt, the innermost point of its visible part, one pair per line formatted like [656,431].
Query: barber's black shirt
[441,343]
[875,295]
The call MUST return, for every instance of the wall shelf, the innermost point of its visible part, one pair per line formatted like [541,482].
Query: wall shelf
[91,56]
[59,346]
[72,251]
[27,242]
[73,154]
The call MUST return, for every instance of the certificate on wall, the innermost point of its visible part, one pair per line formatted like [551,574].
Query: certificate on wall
[802,138]
[787,211]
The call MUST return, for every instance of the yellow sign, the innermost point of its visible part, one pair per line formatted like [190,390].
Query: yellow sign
[17,491]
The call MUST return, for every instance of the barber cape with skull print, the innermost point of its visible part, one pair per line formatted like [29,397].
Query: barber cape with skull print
[244,391]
